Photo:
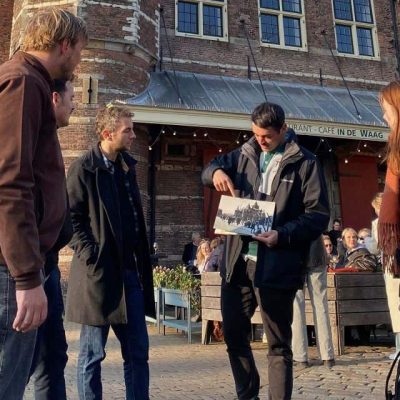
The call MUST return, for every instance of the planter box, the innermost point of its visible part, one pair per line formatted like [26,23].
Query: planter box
[178,299]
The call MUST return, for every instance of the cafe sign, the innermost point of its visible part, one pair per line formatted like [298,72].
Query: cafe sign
[340,131]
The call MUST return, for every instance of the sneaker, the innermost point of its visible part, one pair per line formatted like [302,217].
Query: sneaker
[329,363]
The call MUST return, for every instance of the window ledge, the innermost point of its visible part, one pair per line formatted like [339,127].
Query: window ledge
[283,47]
[360,57]
[204,37]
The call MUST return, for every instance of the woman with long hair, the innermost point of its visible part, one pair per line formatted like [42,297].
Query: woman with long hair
[389,215]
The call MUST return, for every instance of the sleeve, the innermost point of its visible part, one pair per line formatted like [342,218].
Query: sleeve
[83,241]
[309,225]
[20,121]
[227,162]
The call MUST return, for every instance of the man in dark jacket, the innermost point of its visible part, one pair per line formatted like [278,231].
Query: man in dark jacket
[111,281]
[190,251]
[50,357]
[32,183]
[267,167]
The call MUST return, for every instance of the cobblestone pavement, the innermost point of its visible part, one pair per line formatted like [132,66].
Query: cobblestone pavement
[196,372]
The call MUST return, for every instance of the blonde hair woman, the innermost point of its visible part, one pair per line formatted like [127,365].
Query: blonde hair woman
[202,255]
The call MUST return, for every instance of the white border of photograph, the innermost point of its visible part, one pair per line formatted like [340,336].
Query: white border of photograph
[244,216]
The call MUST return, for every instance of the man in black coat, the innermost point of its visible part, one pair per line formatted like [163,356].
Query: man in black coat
[270,166]
[190,250]
[111,282]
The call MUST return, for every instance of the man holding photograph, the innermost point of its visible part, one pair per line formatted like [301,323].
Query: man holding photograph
[268,271]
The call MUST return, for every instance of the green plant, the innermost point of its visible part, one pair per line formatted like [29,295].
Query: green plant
[180,279]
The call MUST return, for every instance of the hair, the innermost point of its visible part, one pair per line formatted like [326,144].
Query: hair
[196,235]
[108,117]
[215,243]
[326,237]
[377,200]
[336,220]
[60,85]
[268,115]
[47,28]
[199,254]
[345,231]
[391,94]
[364,230]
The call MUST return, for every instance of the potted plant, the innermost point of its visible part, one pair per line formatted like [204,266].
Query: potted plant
[177,282]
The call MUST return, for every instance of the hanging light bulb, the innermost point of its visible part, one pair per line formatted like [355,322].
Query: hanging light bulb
[346,161]
[244,136]
[365,144]
[330,150]
[358,150]
[322,140]
[237,141]
[194,134]
[220,150]
[162,130]
[205,134]
[150,148]
[379,155]
[174,133]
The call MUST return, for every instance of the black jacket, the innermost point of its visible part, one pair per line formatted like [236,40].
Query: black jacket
[188,252]
[95,289]
[301,215]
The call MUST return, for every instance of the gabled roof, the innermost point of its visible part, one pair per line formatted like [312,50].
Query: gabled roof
[221,94]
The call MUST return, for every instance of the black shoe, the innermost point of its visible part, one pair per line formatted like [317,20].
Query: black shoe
[329,363]
[303,364]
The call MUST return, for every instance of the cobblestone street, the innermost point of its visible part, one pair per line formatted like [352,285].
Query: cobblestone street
[196,372]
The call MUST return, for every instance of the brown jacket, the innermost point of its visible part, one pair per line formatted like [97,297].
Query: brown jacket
[32,178]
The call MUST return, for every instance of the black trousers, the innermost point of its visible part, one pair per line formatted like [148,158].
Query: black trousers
[239,300]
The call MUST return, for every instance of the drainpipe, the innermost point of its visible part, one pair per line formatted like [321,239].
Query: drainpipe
[393,4]
[152,183]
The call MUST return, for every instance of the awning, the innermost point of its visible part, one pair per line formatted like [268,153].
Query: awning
[213,101]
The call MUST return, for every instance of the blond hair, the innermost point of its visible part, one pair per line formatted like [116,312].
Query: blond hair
[344,233]
[199,255]
[377,201]
[47,28]
[108,117]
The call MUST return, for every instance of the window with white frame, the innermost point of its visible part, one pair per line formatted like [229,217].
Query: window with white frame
[282,23]
[355,28]
[202,18]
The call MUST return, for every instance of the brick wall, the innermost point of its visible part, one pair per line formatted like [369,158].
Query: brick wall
[230,58]
[6,13]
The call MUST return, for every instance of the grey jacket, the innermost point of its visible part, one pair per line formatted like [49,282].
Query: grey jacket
[301,214]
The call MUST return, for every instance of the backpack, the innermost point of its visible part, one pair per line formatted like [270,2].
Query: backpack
[388,393]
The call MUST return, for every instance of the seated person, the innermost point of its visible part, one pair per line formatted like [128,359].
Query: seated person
[203,253]
[214,259]
[190,250]
[331,251]
[363,234]
[357,257]
[336,231]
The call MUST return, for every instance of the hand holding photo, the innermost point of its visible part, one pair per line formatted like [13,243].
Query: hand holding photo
[244,216]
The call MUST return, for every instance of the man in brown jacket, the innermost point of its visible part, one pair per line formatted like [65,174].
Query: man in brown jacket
[32,183]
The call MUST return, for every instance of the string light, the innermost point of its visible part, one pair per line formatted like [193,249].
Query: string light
[162,130]
[365,144]
[174,133]
[194,134]
[220,150]
[346,161]
[150,148]
[205,134]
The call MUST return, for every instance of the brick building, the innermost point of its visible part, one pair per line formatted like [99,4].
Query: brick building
[187,71]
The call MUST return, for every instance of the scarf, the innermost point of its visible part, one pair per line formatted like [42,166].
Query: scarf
[389,223]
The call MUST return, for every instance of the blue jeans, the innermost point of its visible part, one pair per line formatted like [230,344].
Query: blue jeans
[134,342]
[50,357]
[16,348]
